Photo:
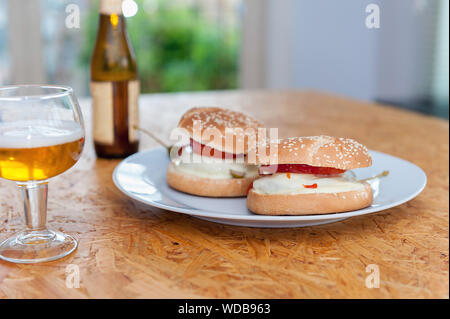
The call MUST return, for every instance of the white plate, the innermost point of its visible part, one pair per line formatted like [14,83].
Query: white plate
[142,176]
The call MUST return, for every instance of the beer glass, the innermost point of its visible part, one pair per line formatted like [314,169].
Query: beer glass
[41,136]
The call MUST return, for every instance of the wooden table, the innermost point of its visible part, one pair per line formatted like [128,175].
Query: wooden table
[128,250]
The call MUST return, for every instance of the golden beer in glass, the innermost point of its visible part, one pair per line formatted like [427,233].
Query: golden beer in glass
[40,161]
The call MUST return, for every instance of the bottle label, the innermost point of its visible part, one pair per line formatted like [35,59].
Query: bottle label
[133,109]
[110,7]
[103,112]
[106,113]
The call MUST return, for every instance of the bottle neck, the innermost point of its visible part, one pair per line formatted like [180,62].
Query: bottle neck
[111,16]
[113,56]
[112,23]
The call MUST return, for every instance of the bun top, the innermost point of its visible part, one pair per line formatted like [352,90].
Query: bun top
[221,122]
[321,151]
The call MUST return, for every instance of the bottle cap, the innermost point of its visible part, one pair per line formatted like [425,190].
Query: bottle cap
[110,7]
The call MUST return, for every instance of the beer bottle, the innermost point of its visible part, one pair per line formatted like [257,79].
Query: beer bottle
[114,85]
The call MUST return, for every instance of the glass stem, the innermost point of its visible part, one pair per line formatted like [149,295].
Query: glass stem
[35,205]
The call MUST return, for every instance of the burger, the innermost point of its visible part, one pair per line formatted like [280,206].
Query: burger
[311,177]
[213,160]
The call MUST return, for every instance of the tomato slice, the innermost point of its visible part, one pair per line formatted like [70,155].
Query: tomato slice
[249,187]
[299,169]
[205,150]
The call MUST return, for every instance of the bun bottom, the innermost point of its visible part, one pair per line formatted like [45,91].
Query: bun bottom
[308,204]
[208,187]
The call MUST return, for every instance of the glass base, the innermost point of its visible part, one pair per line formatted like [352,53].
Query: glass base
[35,246]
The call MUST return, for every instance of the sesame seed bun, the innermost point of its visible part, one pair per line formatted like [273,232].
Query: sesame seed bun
[321,151]
[309,204]
[215,118]
[209,187]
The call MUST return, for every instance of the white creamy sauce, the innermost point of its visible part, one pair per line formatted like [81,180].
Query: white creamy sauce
[212,167]
[282,184]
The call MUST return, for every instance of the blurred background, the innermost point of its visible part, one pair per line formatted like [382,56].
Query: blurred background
[193,45]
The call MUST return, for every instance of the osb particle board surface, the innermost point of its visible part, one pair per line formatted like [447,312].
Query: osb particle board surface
[128,250]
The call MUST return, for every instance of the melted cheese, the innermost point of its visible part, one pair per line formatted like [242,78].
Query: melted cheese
[282,184]
[213,168]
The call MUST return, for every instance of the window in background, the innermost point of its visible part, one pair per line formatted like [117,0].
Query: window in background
[61,46]
[4,63]
[180,45]
[184,45]
[325,45]
[441,67]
